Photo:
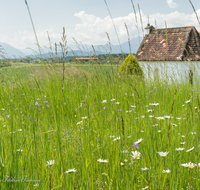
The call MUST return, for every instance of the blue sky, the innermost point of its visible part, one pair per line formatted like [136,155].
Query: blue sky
[88,20]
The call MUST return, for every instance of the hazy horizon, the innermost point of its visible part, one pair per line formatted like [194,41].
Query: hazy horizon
[88,21]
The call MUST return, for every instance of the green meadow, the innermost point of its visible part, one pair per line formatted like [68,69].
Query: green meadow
[79,134]
[82,126]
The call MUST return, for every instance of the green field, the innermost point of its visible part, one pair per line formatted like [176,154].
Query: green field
[49,127]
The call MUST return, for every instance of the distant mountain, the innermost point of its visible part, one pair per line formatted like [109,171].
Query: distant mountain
[125,46]
[11,52]
[115,49]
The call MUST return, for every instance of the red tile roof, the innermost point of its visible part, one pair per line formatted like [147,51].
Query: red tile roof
[171,44]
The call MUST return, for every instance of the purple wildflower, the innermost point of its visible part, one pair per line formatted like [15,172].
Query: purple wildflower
[8,115]
[104,108]
[135,145]
[64,103]
[47,105]
[36,103]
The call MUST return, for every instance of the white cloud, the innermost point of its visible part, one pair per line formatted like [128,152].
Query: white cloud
[171,4]
[92,29]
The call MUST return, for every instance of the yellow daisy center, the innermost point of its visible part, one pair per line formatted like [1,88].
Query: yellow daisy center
[191,166]
[136,156]
[166,172]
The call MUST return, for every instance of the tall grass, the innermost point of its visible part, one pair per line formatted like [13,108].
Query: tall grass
[39,124]
[89,123]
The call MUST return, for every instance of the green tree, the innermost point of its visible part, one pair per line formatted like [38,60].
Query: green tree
[130,66]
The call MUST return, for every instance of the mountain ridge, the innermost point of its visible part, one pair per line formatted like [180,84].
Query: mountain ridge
[11,52]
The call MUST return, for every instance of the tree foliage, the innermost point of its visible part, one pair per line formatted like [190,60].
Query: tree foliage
[130,66]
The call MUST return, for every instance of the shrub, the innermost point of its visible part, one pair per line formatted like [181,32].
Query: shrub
[4,63]
[130,66]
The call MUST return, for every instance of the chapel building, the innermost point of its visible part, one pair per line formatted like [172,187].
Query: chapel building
[170,44]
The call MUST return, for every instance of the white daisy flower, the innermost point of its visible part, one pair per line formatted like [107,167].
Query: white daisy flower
[193,133]
[190,149]
[138,141]
[195,108]
[84,117]
[187,101]
[198,164]
[178,118]
[50,162]
[133,106]
[149,110]
[182,143]
[155,125]
[103,161]
[166,171]
[191,165]
[70,170]
[183,105]
[136,154]
[159,131]
[104,101]
[19,150]
[154,104]
[129,137]
[118,138]
[144,169]
[117,102]
[112,100]
[185,165]
[163,154]
[179,149]
[19,129]
[111,136]
[145,188]
[183,136]
[168,116]
[79,122]
[125,160]
[151,116]
[121,164]
[142,116]
[160,118]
